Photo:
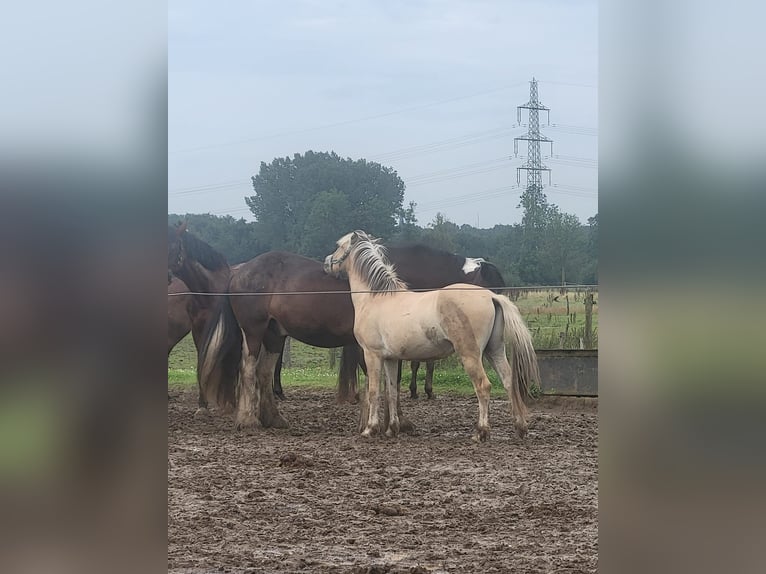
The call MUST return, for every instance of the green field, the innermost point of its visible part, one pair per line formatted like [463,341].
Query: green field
[310,368]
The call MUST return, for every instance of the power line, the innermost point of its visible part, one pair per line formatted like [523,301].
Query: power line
[569,84]
[346,122]
[208,188]
[452,143]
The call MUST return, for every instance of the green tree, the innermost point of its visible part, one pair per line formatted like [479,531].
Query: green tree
[442,234]
[533,224]
[407,229]
[288,192]
[591,275]
[329,215]
[563,252]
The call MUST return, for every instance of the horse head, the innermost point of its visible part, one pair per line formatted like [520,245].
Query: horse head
[176,249]
[335,263]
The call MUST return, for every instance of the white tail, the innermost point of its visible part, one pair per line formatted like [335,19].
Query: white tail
[523,357]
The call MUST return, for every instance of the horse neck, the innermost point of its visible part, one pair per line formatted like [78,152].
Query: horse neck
[360,287]
[201,279]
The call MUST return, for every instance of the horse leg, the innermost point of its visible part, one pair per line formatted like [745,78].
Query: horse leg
[495,354]
[414,365]
[372,426]
[202,404]
[391,367]
[405,425]
[247,400]
[386,406]
[202,411]
[278,392]
[430,379]
[348,373]
[475,370]
[268,414]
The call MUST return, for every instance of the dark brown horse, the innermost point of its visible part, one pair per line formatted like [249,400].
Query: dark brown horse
[318,316]
[179,318]
[203,270]
[192,312]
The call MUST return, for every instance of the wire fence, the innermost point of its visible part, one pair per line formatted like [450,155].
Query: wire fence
[558,316]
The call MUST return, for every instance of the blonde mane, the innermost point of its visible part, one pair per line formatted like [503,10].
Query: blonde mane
[370,262]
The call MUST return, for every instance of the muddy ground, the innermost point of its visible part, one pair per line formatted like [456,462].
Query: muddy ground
[319,498]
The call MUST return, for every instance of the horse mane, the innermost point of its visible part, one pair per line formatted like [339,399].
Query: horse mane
[370,261]
[201,252]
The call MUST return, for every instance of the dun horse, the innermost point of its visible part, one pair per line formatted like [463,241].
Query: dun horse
[392,323]
[423,267]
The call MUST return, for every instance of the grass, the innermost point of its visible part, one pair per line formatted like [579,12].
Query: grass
[310,369]
[315,373]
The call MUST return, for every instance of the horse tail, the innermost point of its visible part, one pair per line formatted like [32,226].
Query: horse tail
[219,356]
[523,358]
[347,373]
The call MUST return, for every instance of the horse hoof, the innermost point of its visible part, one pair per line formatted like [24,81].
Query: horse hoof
[350,399]
[392,431]
[246,422]
[202,413]
[413,395]
[521,431]
[481,435]
[275,421]
[280,396]
[369,432]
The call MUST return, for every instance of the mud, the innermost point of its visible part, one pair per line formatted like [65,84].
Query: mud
[319,498]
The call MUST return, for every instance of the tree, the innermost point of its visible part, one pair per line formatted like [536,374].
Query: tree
[533,224]
[563,252]
[591,275]
[407,229]
[593,236]
[289,191]
[442,234]
[328,214]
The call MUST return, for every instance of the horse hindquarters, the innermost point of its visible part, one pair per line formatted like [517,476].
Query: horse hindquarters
[219,355]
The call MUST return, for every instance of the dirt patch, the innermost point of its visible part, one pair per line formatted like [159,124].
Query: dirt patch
[319,498]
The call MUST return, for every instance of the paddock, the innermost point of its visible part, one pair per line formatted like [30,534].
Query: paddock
[316,497]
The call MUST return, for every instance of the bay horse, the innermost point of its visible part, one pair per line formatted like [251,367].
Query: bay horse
[251,329]
[190,313]
[392,323]
[203,270]
[179,317]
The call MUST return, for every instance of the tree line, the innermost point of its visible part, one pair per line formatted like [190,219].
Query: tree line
[305,203]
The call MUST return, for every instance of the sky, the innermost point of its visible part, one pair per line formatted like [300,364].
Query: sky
[427,87]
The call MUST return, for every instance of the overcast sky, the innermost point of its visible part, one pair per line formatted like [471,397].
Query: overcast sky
[428,87]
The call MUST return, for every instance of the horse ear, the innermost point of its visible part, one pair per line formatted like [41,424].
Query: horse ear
[181,228]
[359,234]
